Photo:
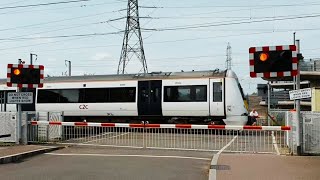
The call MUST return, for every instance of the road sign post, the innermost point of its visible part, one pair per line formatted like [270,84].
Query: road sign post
[297,103]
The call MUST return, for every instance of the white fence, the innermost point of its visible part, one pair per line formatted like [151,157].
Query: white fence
[310,130]
[8,126]
[9,121]
[245,139]
[50,127]
[43,131]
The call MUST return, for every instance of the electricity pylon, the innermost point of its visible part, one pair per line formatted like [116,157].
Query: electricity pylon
[132,46]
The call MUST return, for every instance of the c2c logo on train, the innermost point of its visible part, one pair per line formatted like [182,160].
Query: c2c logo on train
[83,106]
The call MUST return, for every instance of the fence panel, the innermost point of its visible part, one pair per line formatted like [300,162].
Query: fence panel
[8,126]
[311,130]
[43,132]
[242,139]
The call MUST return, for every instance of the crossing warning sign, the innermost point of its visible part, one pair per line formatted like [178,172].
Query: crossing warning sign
[20,98]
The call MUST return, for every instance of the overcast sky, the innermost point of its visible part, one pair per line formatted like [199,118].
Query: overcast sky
[186,35]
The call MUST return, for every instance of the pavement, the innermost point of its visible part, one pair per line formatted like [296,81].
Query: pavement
[14,153]
[264,166]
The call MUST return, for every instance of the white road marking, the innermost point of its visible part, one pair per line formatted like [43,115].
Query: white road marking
[118,135]
[106,137]
[275,143]
[213,172]
[129,155]
[97,136]
[88,137]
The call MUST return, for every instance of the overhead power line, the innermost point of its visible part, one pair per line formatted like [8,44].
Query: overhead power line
[56,21]
[227,17]
[76,38]
[156,42]
[236,6]
[13,2]
[252,20]
[60,8]
[43,4]
[66,36]
[204,25]
[22,37]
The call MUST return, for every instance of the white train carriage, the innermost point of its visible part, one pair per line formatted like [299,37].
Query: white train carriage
[180,97]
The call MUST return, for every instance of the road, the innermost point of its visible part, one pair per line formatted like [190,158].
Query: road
[76,163]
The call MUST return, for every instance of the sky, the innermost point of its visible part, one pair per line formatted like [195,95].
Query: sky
[177,35]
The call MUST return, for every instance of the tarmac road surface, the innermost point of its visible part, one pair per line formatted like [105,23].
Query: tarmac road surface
[77,163]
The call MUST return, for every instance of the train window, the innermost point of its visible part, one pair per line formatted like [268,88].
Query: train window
[87,95]
[48,96]
[217,92]
[127,94]
[143,95]
[155,94]
[171,94]
[185,93]
[201,93]
[167,93]
[69,96]
[95,95]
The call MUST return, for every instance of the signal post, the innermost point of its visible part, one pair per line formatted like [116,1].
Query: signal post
[278,62]
[23,76]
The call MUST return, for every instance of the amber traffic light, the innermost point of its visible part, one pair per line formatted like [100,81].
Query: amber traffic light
[16,72]
[264,56]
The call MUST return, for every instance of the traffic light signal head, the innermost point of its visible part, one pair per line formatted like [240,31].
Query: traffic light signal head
[273,61]
[28,76]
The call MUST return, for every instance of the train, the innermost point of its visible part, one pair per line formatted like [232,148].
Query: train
[196,97]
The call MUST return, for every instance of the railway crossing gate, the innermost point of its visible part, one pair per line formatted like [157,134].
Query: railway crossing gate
[239,139]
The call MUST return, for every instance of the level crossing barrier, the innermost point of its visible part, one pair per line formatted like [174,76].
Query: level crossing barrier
[242,139]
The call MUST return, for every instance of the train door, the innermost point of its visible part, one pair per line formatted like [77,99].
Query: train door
[149,97]
[217,97]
